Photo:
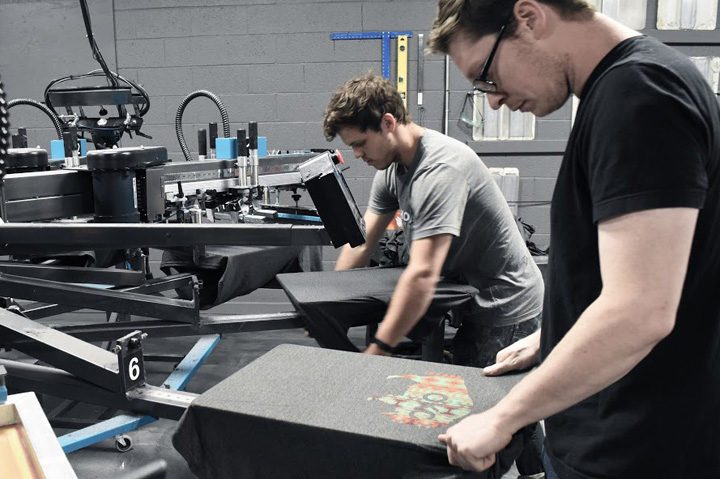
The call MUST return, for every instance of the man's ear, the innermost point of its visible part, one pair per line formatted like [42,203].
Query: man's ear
[388,122]
[531,18]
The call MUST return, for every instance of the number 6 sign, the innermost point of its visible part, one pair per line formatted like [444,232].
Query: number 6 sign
[130,360]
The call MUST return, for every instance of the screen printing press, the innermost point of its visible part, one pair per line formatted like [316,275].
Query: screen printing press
[112,209]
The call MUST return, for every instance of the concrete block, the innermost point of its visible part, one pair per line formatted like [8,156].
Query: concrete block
[536,189]
[157,113]
[251,107]
[129,73]
[457,79]
[360,188]
[283,18]
[221,79]
[283,136]
[140,53]
[564,113]
[221,20]
[318,47]
[165,81]
[328,77]
[434,125]
[432,102]
[398,16]
[288,78]
[552,129]
[301,106]
[153,23]
[434,75]
[316,139]
[220,50]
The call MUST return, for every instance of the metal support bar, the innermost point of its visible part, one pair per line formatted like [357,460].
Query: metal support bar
[185,371]
[103,430]
[53,347]
[178,380]
[421,79]
[103,300]
[55,237]
[165,283]
[146,400]
[72,274]
[209,324]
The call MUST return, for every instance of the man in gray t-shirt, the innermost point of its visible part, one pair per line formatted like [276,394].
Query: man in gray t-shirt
[456,222]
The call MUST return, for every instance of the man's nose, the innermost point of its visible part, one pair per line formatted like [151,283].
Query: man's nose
[357,152]
[496,100]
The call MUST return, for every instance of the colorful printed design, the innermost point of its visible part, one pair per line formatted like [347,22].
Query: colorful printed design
[437,400]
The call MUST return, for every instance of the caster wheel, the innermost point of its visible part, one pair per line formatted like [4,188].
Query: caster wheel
[123,443]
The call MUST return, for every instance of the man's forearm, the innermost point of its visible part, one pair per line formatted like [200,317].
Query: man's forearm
[351,258]
[411,299]
[603,346]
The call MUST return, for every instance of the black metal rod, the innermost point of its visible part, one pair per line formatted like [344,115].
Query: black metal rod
[149,400]
[103,300]
[209,324]
[72,274]
[53,237]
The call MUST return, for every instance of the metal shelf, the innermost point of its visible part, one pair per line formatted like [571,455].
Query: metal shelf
[531,147]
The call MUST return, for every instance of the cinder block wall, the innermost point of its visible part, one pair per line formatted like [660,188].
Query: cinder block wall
[270,61]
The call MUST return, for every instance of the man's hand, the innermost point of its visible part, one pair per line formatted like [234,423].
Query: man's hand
[520,355]
[375,350]
[473,442]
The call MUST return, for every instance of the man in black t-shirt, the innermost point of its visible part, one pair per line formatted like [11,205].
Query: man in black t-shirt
[629,383]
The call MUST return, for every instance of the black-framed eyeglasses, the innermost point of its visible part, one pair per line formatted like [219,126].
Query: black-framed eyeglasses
[481,83]
[470,116]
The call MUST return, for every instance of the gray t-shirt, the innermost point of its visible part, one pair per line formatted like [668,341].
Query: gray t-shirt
[448,189]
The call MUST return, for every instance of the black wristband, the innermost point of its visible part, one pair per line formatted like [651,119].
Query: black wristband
[384,346]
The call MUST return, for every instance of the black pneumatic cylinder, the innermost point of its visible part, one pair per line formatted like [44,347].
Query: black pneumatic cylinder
[213,135]
[23,137]
[253,134]
[202,142]
[242,143]
[67,144]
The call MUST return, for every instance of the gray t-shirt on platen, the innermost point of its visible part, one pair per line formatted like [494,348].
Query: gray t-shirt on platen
[448,189]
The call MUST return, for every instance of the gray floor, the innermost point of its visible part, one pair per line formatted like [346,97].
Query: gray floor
[153,441]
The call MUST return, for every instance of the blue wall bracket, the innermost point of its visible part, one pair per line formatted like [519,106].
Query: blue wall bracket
[384,36]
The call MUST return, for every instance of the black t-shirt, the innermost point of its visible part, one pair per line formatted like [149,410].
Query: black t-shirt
[647,135]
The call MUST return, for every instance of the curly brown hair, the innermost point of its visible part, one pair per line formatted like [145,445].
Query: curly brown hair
[478,18]
[362,102]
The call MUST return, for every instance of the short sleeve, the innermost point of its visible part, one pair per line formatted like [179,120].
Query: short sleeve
[383,198]
[648,144]
[438,200]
